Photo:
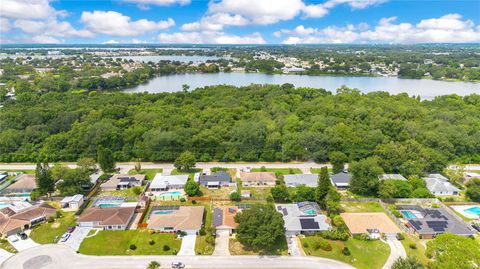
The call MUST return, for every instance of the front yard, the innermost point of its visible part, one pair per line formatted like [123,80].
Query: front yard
[415,248]
[122,242]
[236,248]
[363,254]
[4,244]
[48,233]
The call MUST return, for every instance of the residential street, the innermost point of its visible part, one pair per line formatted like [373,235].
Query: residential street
[63,257]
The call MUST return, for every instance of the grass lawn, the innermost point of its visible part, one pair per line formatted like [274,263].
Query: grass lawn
[46,233]
[317,170]
[25,171]
[202,247]
[258,193]
[236,248]
[354,207]
[118,243]
[221,193]
[4,244]
[364,254]
[149,173]
[190,173]
[279,171]
[418,252]
[129,194]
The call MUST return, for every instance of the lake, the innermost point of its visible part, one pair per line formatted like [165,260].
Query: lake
[176,58]
[427,89]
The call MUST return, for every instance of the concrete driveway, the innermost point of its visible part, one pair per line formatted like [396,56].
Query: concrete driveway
[62,257]
[188,245]
[293,248]
[396,250]
[76,237]
[222,239]
[21,245]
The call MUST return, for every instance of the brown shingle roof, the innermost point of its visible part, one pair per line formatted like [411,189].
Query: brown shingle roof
[115,179]
[228,217]
[108,216]
[258,176]
[24,182]
[185,218]
[43,210]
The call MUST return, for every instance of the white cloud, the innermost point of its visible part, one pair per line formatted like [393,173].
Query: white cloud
[43,39]
[446,29]
[133,41]
[111,41]
[160,2]
[52,28]
[320,10]
[26,9]
[115,24]
[215,22]
[5,25]
[210,37]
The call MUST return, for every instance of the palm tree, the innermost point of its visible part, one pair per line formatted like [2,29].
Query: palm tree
[153,265]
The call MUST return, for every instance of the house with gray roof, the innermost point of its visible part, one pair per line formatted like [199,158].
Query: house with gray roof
[216,180]
[440,186]
[302,218]
[295,180]
[341,180]
[392,176]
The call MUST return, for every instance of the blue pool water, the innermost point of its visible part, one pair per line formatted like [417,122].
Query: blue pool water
[163,212]
[108,205]
[473,210]
[173,193]
[408,215]
[310,212]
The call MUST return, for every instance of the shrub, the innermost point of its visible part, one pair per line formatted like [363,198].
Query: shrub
[166,248]
[235,196]
[133,247]
[305,244]
[435,205]
[335,234]
[263,169]
[194,202]
[137,190]
[400,237]
[270,199]
[153,265]
[363,237]
[316,245]
[412,246]
[325,245]
[202,231]
[58,214]
[50,219]
[396,213]
[151,242]
[346,251]
[182,200]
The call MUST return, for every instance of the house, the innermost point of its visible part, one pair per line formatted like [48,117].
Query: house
[187,219]
[167,182]
[122,182]
[428,222]
[72,202]
[224,219]
[341,180]
[258,179]
[23,186]
[392,176]
[438,185]
[108,218]
[372,224]
[245,194]
[467,176]
[20,216]
[295,180]
[302,218]
[216,180]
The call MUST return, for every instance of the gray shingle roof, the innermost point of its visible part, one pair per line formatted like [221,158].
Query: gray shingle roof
[342,178]
[220,176]
[310,180]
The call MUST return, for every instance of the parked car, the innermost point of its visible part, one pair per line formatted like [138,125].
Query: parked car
[22,235]
[71,229]
[13,238]
[64,237]
[178,265]
[476,227]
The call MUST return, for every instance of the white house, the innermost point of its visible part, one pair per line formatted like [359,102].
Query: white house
[72,202]
[440,186]
[167,182]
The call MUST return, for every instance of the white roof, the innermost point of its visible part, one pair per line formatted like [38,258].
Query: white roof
[161,181]
[440,186]
[75,198]
[310,180]
[294,219]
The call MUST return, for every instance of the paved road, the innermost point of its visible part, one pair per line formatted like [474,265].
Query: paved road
[63,257]
[396,250]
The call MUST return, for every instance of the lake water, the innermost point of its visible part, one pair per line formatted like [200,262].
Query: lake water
[427,89]
[177,58]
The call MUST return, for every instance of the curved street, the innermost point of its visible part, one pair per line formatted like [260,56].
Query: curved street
[63,257]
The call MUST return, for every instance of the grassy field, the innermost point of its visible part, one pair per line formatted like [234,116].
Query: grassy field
[149,173]
[258,193]
[236,248]
[364,254]
[190,173]
[119,242]
[279,171]
[4,244]
[418,251]
[354,207]
[129,194]
[47,233]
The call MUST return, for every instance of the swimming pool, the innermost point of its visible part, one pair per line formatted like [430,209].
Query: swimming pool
[108,205]
[310,212]
[408,214]
[172,193]
[162,212]
[473,210]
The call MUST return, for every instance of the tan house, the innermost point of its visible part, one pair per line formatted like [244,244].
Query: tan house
[14,219]
[117,218]
[258,179]
[370,223]
[122,182]
[187,219]
[23,186]
[224,218]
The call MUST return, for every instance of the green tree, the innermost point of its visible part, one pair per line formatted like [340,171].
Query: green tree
[185,162]
[453,251]
[323,187]
[392,188]
[74,181]
[280,193]
[44,179]
[192,188]
[260,227]
[304,193]
[235,196]
[333,206]
[365,175]
[105,159]
[407,263]
[338,160]
[153,265]
[87,164]
[422,193]
[473,190]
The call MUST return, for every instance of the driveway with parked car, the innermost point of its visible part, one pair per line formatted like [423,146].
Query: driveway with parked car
[21,244]
[75,237]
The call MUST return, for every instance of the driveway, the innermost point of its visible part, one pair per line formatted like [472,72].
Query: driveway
[222,239]
[188,245]
[293,248]
[21,245]
[76,237]
[396,250]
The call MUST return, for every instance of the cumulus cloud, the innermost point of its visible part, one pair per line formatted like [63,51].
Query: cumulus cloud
[446,29]
[160,2]
[133,41]
[215,22]
[52,28]
[210,37]
[116,24]
[26,9]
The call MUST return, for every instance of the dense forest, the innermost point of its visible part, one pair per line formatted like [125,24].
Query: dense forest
[258,122]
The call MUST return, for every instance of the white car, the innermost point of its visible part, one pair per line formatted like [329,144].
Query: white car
[178,265]
[13,238]
[65,237]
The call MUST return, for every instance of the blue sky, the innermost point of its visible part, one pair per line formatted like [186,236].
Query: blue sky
[239,21]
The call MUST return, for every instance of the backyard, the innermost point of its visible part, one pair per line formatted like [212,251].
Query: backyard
[149,173]
[355,207]
[278,171]
[363,254]
[130,194]
[190,173]
[122,242]
[49,232]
